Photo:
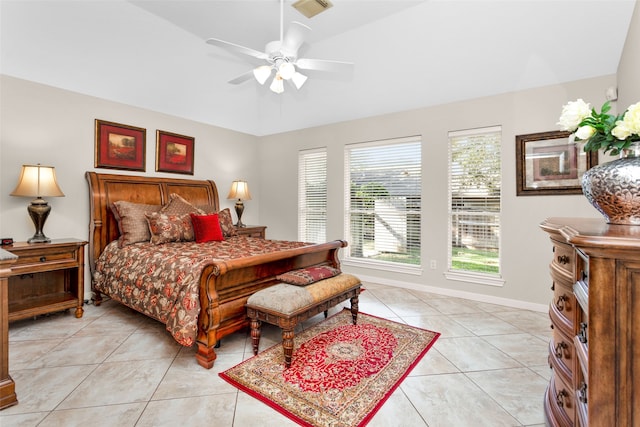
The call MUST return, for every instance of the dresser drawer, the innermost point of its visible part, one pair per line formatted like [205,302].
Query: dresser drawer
[563,257]
[562,355]
[560,398]
[562,310]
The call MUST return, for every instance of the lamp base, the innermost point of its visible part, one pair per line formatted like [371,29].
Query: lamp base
[239,209]
[39,238]
[39,211]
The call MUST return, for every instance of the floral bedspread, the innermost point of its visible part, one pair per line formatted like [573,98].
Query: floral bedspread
[162,281]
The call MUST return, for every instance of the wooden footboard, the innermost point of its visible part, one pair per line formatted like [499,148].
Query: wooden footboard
[224,286]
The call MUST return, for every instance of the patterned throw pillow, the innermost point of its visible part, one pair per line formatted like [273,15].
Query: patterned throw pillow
[207,209]
[206,228]
[132,222]
[309,275]
[226,223]
[179,206]
[169,228]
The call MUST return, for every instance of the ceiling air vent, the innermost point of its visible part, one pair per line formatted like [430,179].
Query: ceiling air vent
[311,8]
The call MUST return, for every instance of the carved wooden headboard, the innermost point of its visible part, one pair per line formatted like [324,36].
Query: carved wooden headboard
[104,189]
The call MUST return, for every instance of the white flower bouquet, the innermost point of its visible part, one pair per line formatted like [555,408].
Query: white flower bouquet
[602,131]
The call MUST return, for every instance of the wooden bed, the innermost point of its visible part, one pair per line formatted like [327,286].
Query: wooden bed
[224,286]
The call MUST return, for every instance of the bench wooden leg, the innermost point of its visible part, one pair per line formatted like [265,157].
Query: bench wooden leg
[354,309]
[287,345]
[255,335]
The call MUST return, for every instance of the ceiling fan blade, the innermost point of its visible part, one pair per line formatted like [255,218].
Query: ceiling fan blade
[323,65]
[242,78]
[236,48]
[294,38]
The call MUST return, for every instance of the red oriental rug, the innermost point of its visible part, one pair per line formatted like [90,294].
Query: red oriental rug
[341,374]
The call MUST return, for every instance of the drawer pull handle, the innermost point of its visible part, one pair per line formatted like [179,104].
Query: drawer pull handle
[582,334]
[560,347]
[560,303]
[563,259]
[582,393]
[562,394]
[43,259]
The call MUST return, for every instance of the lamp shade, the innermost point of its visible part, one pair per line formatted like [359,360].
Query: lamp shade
[277,84]
[298,79]
[239,190]
[286,70]
[37,181]
[262,73]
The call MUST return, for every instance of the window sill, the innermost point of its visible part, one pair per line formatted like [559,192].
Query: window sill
[381,265]
[483,279]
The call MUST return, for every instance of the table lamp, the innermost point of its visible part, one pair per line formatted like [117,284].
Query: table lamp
[240,191]
[38,181]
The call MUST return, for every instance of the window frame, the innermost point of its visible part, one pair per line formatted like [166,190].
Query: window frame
[303,208]
[492,279]
[394,266]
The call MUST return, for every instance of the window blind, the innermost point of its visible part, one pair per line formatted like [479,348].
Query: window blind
[312,196]
[474,200]
[383,200]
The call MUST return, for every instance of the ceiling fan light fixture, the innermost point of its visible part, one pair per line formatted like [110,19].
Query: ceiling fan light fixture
[277,85]
[286,70]
[298,79]
[262,73]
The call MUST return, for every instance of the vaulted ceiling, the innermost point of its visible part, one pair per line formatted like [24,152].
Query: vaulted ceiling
[407,54]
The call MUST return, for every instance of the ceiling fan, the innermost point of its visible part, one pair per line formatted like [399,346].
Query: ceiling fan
[281,56]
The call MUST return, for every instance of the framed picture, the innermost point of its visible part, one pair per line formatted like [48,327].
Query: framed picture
[549,163]
[174,153]
[119,146]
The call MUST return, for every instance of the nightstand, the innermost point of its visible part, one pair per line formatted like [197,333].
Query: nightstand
[252,231]
[47,277]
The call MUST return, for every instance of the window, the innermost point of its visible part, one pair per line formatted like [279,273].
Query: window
[312,196]
[474,203]
[383,201]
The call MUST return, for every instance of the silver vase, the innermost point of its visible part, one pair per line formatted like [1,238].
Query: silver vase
[613,188]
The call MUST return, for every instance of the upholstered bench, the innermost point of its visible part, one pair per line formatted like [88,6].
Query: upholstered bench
[285,305]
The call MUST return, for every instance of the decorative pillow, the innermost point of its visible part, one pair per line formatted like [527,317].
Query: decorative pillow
[169,228]
[206,228]
[226,223]
[309,275]
[207,209]
[179,206]
[132,223]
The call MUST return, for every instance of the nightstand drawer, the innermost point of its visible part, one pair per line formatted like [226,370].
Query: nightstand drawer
[33,260]
[252,231]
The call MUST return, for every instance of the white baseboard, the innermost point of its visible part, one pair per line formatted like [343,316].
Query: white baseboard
[542,308]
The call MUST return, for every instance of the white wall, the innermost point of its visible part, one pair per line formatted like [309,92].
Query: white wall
[629,67]
[42,124]
[526,251]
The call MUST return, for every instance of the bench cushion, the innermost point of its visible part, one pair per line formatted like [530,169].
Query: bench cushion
[287,299]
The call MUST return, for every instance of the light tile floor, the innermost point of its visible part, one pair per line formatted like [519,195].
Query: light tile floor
[115,367]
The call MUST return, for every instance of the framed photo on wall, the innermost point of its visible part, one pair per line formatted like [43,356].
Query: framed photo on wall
[174,153]
[549,163]
[119,146]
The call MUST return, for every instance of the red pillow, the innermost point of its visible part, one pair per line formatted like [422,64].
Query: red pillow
[207,228]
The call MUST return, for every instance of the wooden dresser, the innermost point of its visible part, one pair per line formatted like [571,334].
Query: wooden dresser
[594,352]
